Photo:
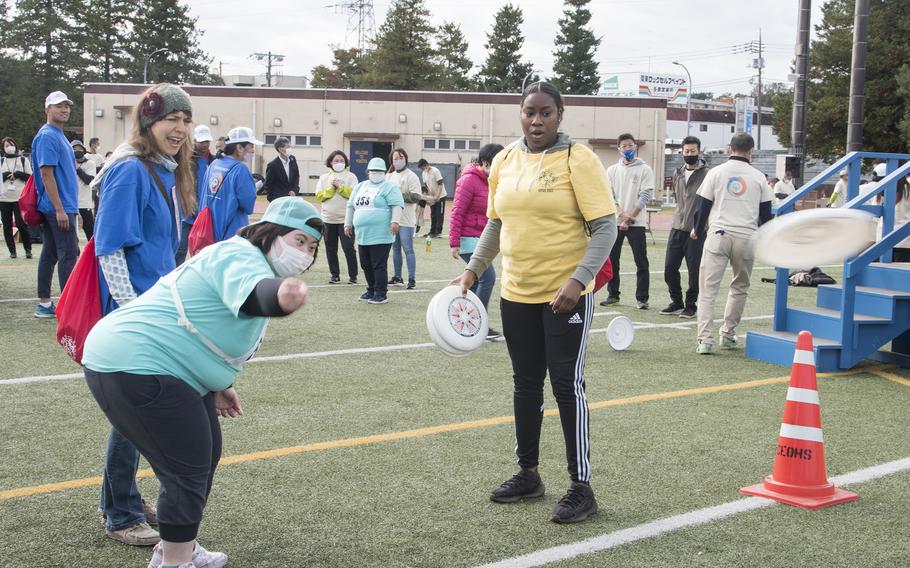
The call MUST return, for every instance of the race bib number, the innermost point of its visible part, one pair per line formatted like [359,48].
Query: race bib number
[366,199]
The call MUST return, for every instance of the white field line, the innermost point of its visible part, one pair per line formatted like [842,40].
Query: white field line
[693,518]
[379,349]
[346,286]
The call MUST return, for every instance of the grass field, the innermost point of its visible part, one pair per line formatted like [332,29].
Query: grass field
[386,457]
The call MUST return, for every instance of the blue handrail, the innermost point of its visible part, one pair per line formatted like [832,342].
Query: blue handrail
[852,266]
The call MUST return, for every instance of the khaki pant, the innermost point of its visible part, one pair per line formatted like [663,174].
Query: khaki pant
[719,249]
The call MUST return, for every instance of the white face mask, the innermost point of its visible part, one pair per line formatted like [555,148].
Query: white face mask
[287,260]
[377,177]
[338,166]
[288,152]
[398,164]
[10,149]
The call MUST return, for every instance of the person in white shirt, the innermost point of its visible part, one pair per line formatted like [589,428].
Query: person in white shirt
[784,188]
[632,181]
[86,169]
[432,179]
[839,195]
[16,170]
[733,200]
[332,191]
[409,183]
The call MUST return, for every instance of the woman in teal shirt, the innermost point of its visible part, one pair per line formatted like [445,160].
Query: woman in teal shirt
[374,211]
[162,368]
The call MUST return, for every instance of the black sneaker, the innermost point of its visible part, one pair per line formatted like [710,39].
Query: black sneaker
[610,300]
[396,281]
[411,284]
[28,254]
[335,280]
[378,299]
[526,484]
[352,280]
[672,309]
[366,296]
[576,505]
[688,312]
[493,335]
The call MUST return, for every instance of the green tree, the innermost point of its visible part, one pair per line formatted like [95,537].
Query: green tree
[46,34]
[886,102]
[575,58]
[402,55]
[346,71]
[106,32]
[503,72]
[782,121]
[703,96]
[167,24]
[451,59]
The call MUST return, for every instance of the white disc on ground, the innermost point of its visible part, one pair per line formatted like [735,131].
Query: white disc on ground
[813,237]
[620,333]
[460,322]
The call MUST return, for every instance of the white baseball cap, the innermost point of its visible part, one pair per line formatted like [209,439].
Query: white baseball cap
[241,134]
[202,133]
[56,98]
[880,170]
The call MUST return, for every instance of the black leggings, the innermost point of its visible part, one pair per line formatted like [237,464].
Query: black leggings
[540,341]
[176,430]
[374,260]
[333,233]
[88,222]
[8,210]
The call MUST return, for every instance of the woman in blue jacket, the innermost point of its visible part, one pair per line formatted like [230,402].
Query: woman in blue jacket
[144,188]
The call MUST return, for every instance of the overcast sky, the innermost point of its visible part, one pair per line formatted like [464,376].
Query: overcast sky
[637,35]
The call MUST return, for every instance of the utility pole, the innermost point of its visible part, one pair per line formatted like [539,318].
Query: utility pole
[268,58]
[858,77]
[758,64]
[798,126]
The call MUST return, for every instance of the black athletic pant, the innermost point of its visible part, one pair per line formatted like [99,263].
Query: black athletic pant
[176,430]
[437,216]
[374,260]
[680,246]
[8,210]
[334,232]
[88,222]
[636,236]
[542,342]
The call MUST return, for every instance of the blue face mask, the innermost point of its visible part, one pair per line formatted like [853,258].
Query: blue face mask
[629,155]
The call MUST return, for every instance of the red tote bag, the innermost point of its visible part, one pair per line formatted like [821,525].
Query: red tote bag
[203,232]
[28,204]
[604,275]
[79,307]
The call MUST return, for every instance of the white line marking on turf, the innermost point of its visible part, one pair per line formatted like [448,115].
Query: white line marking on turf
[693,518]
[379,349]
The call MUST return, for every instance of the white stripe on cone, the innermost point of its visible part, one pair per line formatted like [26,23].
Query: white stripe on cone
[804,357]
[808,396]
[805,433]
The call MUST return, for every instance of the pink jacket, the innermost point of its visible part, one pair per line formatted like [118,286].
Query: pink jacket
[469,209]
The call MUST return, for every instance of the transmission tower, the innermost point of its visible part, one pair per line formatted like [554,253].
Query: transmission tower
[360,21]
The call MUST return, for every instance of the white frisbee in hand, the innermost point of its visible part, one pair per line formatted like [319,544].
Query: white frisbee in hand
[620,333]
[813,237]
[457,324]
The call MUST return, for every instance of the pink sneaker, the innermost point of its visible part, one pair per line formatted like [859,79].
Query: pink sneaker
[202,558]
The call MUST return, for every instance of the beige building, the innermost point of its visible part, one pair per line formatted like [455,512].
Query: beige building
[447,129]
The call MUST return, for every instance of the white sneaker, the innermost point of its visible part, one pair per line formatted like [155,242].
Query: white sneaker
[202,558]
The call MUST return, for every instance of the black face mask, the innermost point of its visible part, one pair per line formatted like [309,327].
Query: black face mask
[79,155]
[691,160]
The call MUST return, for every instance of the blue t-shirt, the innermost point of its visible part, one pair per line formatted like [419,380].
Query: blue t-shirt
[372,204]
[133,216]
[230,194]
[144,338]
[202,166]
[51,148]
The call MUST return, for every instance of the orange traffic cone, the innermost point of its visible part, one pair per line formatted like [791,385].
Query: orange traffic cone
[799,476]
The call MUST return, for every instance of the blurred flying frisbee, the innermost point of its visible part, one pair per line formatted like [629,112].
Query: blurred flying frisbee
[813,237]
